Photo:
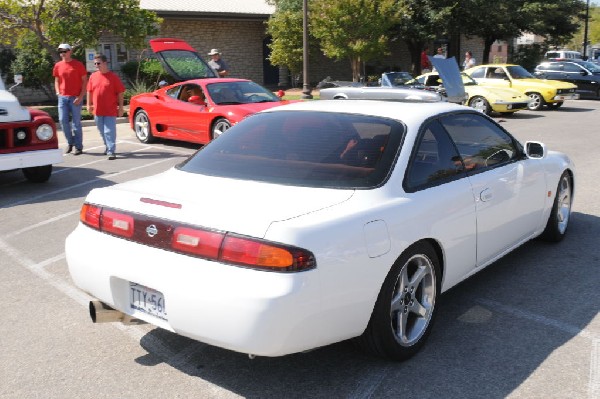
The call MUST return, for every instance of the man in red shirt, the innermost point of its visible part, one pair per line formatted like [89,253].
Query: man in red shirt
[425,64]
[105,100]
[70,80]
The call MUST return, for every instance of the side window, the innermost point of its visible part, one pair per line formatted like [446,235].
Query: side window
[572,68]
[434,159]
[478,73]
[481,143]
[173,91]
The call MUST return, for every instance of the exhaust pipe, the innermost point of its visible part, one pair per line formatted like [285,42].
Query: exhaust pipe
[102,313]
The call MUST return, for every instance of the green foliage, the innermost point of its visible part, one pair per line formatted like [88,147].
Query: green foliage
[285,28]
[528,56]
[138,87]
[354,29]
[148,71]
[80,23]
[35,64]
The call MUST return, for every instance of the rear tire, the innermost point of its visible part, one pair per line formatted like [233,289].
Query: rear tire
[38,174]
[142,127]
[220,126]
[558,222]
[406,306]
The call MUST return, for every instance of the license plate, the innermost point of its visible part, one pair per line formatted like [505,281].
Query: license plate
[147,300]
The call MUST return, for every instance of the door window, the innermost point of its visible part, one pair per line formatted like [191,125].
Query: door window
[481,143]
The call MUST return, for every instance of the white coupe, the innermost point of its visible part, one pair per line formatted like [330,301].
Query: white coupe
[317,222]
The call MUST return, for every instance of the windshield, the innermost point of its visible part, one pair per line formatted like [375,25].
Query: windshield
[303,148]
[518,72]
[590,66]
[186,65]
[467,80]
[244,92]
[396,78]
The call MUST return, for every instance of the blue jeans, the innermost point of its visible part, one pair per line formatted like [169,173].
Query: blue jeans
[67,110]
[107,126]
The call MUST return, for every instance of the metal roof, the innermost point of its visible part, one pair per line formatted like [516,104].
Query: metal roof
[210,7]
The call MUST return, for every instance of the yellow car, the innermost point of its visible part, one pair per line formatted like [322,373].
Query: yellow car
[484,99]
[542,92]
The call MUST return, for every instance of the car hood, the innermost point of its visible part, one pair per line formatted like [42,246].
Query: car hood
[243,207]
[10,109]
[544,83]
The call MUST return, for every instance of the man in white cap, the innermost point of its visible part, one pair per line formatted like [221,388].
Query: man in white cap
[217,63]
[70,81]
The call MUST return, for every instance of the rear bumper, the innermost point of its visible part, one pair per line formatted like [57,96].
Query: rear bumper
[28,159]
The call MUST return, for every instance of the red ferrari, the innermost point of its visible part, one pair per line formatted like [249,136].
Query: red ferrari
[200,106]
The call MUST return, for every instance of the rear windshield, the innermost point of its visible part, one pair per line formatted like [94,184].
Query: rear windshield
[304,148]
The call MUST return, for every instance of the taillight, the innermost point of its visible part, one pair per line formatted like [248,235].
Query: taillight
[194,241]
[197,242]
[116,223]
[90,215]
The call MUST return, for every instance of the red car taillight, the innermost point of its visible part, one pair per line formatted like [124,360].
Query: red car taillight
[194,241]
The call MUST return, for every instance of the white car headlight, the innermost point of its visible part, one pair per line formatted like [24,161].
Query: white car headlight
[44,132]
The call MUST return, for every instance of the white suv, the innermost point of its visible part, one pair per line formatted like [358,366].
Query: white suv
[28,139]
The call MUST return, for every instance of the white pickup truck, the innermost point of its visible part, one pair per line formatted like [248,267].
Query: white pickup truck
[28,139]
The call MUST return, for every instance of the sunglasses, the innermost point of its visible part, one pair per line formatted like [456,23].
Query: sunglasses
[97,63]
[63,51]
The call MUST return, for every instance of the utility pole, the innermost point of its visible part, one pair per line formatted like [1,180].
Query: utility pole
[585,30]
[305,86]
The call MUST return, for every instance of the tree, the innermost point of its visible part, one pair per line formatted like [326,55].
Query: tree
[285,28]
[353,29]
[80,23]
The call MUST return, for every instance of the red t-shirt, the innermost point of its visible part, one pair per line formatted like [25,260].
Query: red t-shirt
[69,76]
[104,89]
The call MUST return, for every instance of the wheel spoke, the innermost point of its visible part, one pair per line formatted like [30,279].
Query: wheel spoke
[419,275]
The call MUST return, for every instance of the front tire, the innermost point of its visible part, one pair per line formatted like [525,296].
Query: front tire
[220,126]
[406,306]
[537,101]
[480,104]
[38,174]
[142,127]
[558,222]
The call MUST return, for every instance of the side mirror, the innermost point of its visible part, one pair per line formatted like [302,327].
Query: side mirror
[18,78]
[196,100]
[280,94]
[535,149]
[583,73]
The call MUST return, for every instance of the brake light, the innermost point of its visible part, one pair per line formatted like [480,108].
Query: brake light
[116,223]
[194,241]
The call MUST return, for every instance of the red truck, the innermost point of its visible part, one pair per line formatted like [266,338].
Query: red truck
[28,139]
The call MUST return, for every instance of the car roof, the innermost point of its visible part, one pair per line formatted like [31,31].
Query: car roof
[407,112]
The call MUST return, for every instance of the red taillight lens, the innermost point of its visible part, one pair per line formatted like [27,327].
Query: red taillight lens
[197,242]
[90,215]
[194,241]
[117,223]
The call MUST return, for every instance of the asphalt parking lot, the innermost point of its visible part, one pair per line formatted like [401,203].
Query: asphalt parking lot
[526,327]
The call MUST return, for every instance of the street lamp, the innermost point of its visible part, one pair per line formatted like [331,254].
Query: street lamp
[585,30]
[305,87]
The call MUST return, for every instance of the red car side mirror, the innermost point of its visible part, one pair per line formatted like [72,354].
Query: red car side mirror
[280,93]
